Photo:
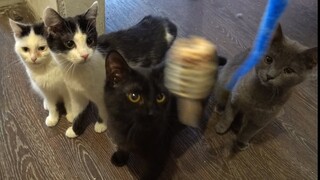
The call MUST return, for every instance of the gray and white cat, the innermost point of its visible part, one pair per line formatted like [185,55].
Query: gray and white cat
[72,42]
[45,76]
[260,94]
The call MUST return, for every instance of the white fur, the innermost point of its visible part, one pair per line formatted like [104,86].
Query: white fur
[85,79]
[168,36]
[45,76]
[70,133]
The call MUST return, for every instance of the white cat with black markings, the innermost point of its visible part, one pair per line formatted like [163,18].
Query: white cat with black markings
[44,74]
[72,42]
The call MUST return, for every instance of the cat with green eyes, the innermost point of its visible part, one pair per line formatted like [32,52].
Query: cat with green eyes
[258,96]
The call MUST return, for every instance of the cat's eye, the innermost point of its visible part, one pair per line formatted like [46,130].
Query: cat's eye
[288,70]
[41,48]
[134,97]
[268,60]
[69,44]
[89,41]
[161,98]
[25,49]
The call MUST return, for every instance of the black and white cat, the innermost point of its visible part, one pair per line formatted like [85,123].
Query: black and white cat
[45,76]
[142,113]
[73,42]
[260,94]
[74,45]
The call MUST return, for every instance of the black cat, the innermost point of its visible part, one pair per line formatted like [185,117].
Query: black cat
[142,113]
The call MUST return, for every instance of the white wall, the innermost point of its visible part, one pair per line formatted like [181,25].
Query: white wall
[69,8]
[9,2]
[37,6]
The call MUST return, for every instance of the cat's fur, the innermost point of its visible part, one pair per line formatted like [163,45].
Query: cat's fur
[144,43]
[43,71]
[72,42]
[145,127]
[259,95]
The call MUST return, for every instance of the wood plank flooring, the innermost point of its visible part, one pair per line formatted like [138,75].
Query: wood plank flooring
[286,149]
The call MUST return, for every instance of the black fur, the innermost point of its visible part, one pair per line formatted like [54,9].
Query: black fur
[143,43]
[26,29]
[65,31]
[147,128]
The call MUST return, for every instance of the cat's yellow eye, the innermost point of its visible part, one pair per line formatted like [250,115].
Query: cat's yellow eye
[268,60]
[288,70]
[69,44]
[25,49]
[134,97]
[41,48]
[161,98]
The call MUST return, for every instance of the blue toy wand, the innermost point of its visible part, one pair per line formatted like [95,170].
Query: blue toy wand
[272,13]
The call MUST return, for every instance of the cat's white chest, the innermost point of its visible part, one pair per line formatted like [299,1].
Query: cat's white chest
[49,77]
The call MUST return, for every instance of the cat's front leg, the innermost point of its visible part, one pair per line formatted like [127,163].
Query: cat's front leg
[100,126]
[67,104]
[120,158]
[51,100]
[78,106]
[252,124]
[228,116]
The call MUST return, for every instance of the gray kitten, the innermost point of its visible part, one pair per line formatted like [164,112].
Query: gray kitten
[260,94]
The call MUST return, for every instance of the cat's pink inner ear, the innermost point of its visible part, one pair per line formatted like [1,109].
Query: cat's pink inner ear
[16,28]
[52,19]
[92,12]
[311,59]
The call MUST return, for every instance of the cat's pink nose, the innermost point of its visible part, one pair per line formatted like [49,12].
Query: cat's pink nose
[85,56]
[33,59]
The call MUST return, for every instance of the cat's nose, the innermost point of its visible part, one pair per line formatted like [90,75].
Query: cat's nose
[85,56]
[33,59]
[269,77]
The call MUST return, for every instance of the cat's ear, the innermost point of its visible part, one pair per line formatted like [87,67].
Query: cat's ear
[17,27]
[116,67]
[92,12]
[278,35]
[311,57]
[52,20]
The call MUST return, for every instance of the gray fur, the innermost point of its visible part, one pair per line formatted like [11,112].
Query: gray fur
[259,95]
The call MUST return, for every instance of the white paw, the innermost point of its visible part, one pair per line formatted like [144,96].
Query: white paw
[70,133]
[51,121]
[100,127]
[45,106]
[70,117]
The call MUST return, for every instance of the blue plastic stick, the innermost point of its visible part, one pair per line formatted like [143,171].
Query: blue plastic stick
[272,13]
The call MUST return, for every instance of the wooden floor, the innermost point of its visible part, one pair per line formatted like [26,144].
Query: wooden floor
[286,149]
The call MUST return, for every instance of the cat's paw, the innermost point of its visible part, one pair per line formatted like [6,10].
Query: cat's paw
[70,117]
[221,128]
[70,133]
[51,121]
[100,127]
[119,158]
[240,146]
